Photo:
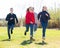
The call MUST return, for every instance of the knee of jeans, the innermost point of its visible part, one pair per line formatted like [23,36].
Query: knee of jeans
[44,27]
[12,28]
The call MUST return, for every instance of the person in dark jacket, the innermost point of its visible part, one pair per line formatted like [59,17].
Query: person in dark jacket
[11,17]
[44,17]
[29,21]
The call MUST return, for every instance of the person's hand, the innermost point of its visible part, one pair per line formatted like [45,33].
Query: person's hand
[31,22]
[16,24]
[38,22]
[46,14]
[11,18]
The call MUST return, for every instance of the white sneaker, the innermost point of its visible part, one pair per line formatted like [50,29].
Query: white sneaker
[34,32]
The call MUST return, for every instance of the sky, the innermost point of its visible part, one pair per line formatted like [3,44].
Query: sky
[20,6]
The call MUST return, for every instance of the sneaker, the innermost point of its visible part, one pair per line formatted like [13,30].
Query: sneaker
[43,42]
[25,33]
[9,39]
[43,38]
[32,39]
[34,32]
[11,32]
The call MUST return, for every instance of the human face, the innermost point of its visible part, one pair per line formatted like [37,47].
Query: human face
[44,8]
[31,9]
[11,10]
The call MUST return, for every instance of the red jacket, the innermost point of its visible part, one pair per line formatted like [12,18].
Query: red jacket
[29,18]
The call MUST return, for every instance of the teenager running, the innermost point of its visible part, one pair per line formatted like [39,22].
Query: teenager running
[11,22]
[36,21]
[29,21]
[44,17]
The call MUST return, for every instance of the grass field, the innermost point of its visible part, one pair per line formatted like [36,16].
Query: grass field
[20,41]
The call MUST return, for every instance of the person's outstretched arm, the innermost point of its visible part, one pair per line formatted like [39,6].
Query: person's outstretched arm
[7,18]
[16,19]
[38,16]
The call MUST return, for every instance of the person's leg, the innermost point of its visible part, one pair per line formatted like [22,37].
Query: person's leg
[12,27]
[31,32]
[9,32]
[35,27]
[44,29]
[44,25]
[27,28]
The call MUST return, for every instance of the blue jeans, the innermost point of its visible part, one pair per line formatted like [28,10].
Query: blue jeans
[10,28]
[44,26]
[27,27]
[35,27]
[31,29]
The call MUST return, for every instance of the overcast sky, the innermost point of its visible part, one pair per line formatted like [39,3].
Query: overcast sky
[20,6]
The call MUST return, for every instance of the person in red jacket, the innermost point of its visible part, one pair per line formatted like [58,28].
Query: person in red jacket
[29,21]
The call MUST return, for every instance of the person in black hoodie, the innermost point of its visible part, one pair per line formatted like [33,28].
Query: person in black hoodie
[44,17]
[11,17]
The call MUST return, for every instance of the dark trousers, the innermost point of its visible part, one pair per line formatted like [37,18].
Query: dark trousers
[10,29]
[44,26]
[31,29]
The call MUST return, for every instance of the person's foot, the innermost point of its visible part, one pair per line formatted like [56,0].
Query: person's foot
[11,32]
[43,42]
[43,38]
[32,39]
[34,32]
[25,33]
[9,39]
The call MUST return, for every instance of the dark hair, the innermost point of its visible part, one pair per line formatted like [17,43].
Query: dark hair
[27,9]
[11,8]
[33,8]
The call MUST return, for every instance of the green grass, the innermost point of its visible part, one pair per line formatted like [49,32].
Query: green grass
[20,41]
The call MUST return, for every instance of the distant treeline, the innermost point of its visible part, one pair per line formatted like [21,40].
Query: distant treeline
[3,23]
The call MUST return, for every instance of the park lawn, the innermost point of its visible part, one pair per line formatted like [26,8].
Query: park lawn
[18,39]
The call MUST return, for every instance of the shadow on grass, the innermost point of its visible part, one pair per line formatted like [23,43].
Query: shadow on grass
[26,42]
[41,43]
[6,40]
